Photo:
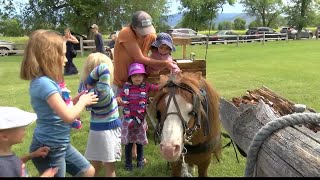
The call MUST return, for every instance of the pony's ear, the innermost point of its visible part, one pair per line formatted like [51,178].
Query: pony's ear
[198,75]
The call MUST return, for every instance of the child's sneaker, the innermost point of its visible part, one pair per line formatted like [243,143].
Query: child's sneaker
[140,164]
[128,167]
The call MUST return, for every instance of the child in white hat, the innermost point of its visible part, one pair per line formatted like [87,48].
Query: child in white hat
[13,122]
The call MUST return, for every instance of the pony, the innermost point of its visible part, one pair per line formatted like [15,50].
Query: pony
[188,127]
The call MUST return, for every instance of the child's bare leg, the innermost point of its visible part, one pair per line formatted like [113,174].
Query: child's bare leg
[110,169]
[134,151]
[97,166]
[89,173]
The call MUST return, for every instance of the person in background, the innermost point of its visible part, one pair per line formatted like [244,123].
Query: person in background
[133,97]
[133,45]
[110,47]
[13,122]
[42,64]
[104,142]
[161,49]
[98,40]
[70,68]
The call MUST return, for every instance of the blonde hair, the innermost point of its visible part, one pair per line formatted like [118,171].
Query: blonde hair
[93,60]
[43,56]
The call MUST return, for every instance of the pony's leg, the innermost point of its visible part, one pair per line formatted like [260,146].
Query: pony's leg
[203,168]
[176,168]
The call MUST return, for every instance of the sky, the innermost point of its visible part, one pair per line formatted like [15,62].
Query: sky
[236,8]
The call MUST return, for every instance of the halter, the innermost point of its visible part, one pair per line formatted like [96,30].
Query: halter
[196,110]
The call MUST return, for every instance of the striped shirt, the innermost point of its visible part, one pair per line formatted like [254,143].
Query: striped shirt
[104,114]
[135,99]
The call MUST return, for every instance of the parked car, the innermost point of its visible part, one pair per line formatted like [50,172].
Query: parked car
[6,46]
[251,30]
[187,33]
[223,35]
[269,33]
[292,33]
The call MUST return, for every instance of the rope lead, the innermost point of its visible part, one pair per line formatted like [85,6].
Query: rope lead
[271,127]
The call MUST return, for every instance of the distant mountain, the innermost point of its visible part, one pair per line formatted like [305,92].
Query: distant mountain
[174,19]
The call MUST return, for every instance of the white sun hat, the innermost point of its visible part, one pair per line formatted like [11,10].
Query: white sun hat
[12,117]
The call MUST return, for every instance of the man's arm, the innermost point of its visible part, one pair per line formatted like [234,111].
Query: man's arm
[135,52]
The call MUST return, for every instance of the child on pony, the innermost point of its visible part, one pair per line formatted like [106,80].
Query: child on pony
[161,49]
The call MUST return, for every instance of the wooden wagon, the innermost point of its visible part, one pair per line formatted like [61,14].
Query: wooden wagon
[293,151]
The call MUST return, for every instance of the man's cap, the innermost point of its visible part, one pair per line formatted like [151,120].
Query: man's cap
[142,21]
[12,117]
[164,38]
[94,26]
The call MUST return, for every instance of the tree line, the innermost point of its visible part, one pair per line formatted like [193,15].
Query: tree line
[18,18]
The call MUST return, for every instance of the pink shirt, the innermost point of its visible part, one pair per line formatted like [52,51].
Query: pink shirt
[156,55]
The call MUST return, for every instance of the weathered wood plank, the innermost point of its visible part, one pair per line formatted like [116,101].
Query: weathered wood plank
[185,66]
[289,152]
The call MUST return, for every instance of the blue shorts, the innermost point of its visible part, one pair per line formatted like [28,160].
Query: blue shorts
[65,157]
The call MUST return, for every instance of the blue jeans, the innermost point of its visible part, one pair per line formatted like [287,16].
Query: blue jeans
[65,157]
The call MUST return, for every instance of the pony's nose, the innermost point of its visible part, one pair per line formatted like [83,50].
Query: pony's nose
[169,151]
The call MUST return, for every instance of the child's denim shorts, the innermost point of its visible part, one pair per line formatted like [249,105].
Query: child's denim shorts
[65,157]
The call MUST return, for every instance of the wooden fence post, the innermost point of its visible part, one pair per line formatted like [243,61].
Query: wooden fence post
[237,40]
[81,45]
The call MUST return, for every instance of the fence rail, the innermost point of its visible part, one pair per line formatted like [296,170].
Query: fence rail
[89,44]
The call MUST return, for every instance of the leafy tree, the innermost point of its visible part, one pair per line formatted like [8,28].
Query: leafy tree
[301,13]
[239,23]
[79,15]
[266,10]
[255,23]
[11,27]
[197,14]
[225,25]
[10,24]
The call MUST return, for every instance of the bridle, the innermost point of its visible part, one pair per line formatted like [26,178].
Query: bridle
[188,132]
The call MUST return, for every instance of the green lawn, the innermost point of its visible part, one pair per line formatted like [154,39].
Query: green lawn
[288,68]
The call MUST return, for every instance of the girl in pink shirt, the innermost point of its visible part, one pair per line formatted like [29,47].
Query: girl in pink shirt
[133,98]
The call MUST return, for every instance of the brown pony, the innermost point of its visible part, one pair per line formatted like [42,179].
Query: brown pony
[188,127]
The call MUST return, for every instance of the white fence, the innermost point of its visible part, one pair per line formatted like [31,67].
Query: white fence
[87,46]
[225,39]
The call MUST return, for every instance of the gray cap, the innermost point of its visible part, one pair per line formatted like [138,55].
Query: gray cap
[142,21]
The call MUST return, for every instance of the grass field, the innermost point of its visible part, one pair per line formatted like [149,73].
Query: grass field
[288,68]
